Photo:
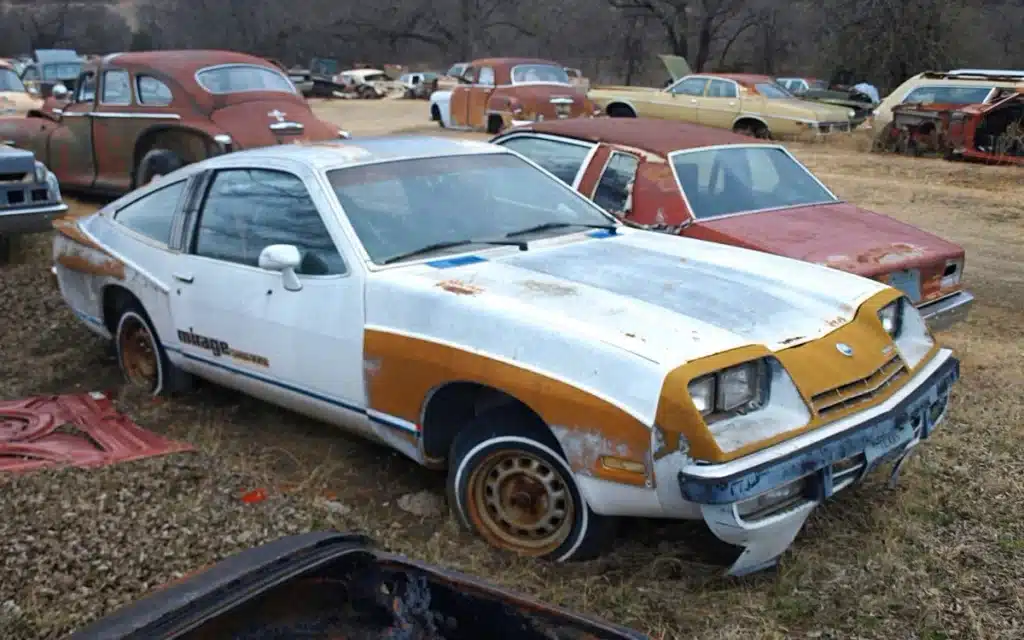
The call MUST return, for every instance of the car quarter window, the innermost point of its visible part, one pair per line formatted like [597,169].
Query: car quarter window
[153,214]
[116,88]
[690,87]
[247,210]
[564,159]
[152,91]
[486,77]
[613,189]
[721,89]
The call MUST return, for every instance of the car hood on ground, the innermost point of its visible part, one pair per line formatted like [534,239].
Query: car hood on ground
[838,234]
[665,298]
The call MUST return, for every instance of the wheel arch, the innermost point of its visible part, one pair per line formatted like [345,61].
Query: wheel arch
[621,103]
[151,137]
[113,298]
[749,118]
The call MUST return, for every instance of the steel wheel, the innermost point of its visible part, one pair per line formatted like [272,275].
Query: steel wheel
[140,360]
[519,502]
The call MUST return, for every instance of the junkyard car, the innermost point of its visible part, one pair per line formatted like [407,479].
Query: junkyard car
[496,93]
[840,96]
[29,196]
[450,78]
[564,367]
[714,185]
[332,586]
[50,67]
[15,99]
[745,103]
[136,116]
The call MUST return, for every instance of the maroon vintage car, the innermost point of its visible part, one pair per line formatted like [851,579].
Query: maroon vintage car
[720,186]
[134,116]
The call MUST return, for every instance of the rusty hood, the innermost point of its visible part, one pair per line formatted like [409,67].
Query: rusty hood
[839,235]
[260,123]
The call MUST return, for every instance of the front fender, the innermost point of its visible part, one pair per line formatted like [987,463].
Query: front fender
[30,133]
[443,101]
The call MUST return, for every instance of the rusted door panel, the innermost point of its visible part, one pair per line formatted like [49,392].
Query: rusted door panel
[115,132]
[592,172]
[459,105]
[476,114]
[70,147]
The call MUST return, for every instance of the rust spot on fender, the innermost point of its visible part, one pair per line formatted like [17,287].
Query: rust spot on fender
[68,226]
[585,448]
[460,288]
[82,264]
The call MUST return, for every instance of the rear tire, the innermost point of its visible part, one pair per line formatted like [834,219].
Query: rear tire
[142,358]
[156,164]
[509,483]
[494,124]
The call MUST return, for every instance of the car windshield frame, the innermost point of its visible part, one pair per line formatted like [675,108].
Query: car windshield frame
[772,86]
[47,75]
[545,65]
[829,196]
[469,164]
[9,81]
[272,71]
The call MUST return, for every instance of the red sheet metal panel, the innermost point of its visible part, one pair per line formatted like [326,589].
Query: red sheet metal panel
[83,430]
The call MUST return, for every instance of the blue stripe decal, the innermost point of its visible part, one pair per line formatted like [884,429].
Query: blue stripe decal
[376,416]
[601,233]
[456,262]
[87,318]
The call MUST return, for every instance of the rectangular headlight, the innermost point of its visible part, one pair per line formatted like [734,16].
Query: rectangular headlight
[730,390]
[891,317]
[702,391]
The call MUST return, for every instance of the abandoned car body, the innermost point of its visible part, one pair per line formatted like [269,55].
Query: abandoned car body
[135,116]
[567,369]
[29,196]
[715,185]
[496,93]
[745,103]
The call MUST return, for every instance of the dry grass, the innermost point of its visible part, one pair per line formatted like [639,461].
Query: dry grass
[942,556]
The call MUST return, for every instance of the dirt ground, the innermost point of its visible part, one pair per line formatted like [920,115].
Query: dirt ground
[941,556]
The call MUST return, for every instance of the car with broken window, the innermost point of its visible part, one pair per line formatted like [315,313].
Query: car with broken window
[565,368]
[29,196]
[750,104]
[714,185]
[495,93]
[136,116]
[15,98]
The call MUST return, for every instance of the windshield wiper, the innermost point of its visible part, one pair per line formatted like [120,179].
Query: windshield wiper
[559,225]
[438,246]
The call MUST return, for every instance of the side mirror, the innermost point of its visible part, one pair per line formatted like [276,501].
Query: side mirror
[285,258]
[60,92]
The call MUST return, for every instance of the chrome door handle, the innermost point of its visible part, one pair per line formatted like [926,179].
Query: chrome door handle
[183,278]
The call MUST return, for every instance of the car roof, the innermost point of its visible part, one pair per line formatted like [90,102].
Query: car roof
[335,154]
[747,79]
[650,134]
[185,60]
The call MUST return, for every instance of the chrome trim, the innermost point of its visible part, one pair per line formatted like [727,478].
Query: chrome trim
[284,126]
[943,313]
[139,116]
[561,100]
[49,208]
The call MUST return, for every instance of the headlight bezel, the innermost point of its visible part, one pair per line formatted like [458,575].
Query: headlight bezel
[893,313]
[705,391]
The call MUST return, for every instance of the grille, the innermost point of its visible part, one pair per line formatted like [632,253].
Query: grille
[14,197]
[13,177]
[829,127]
[860,391]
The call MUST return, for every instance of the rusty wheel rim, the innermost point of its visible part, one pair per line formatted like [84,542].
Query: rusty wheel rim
[139,358]
[520,502]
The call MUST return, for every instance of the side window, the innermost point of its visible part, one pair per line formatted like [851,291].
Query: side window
[614,188]
[86,91]
[486,77]
[247,210]
[152,91]
[563,159]
[153,214]
[690,87]
[468,76]
[721,89]
[116,88]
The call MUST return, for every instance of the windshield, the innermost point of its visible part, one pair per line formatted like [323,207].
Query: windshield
[772,90]
[524,73]
[399,207]
[237,78]
[9,81]
[61,71]
[735,179]
[948,94]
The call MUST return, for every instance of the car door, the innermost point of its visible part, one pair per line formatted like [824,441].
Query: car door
[114,132]
[458,104]
[720,105]
[614,190]
[680,101]
[567,159]
[70,155]
[480,94]
[238,324]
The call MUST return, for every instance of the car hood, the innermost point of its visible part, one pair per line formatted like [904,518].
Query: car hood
[677,66]
[839,235]
[665,298]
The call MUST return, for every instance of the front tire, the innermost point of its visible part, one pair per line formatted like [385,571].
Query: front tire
[155,164]
[509,483]
[142,358]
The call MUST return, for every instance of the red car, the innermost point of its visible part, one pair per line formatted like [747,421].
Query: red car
[723,187]
[135,116]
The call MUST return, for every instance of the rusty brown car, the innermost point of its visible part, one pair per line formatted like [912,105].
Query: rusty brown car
[496,93]
[723,187]
[135,116]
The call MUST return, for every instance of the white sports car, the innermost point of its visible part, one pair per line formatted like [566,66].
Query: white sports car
[459,303]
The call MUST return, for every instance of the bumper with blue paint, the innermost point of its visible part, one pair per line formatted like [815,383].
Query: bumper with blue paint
[761,501]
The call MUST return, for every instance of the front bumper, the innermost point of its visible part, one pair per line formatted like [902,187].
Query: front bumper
[30,219]
[943,313]
[826,461]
